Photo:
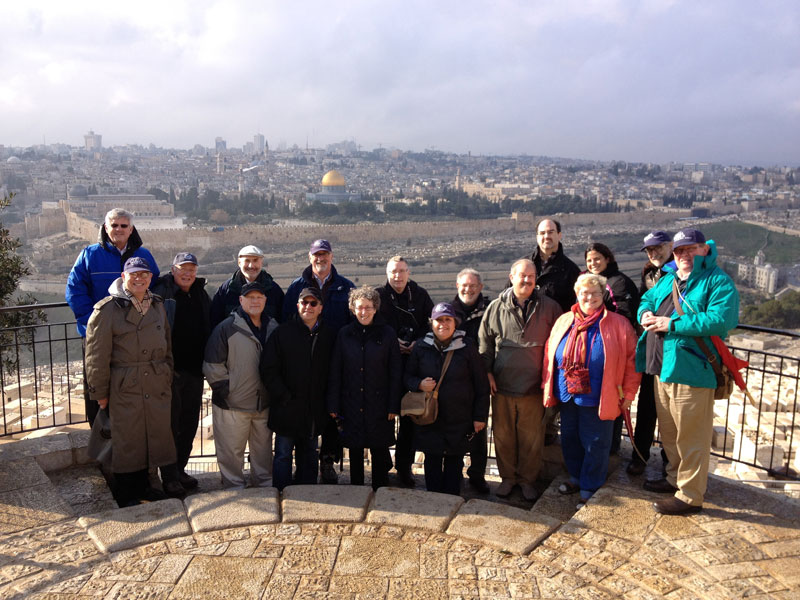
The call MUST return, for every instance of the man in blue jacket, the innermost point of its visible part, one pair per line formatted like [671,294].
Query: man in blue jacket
[707,305]
[98,266]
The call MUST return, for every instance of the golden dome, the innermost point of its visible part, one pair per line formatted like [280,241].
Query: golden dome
[332,178]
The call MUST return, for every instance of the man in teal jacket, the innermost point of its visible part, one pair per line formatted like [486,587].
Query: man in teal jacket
[684,379]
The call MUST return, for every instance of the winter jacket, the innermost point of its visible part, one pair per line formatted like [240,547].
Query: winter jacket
[620,295]
[711,307]
[463,395]
[129,361]
[231,365]
[407,313]
[226,300]
[513,350]
[470,316]
[189,338]
[651,274]
[96,268]
[556,277]
[619,348]
[364,384]
[336,294]
[295,369]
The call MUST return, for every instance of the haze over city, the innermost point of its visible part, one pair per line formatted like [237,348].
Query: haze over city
[655,80]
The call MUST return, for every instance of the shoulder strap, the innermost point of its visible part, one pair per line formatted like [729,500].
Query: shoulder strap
[710,356]
[446,364]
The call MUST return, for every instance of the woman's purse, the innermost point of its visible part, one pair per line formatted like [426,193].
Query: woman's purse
[100,442]
[423,407]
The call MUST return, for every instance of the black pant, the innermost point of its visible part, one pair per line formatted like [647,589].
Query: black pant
[379,467]
[90,405]
[331,448]
[478,452]
[130,486]
[645,418]
[443,472]
[404,449]
[187,398]
[616,435]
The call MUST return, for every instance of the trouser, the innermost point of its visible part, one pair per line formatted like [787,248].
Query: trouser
[91,407]
[478,452]
[443,473]
[686,422]
[585,443]
[305,456]
[233,430]
[404,449]
[518,436]
[379,466]
[645,428]
[187,398]
[331,448]
[551,419]
[130,486]
[616,435]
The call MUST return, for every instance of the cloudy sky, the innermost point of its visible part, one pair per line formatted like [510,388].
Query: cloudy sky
[638,80]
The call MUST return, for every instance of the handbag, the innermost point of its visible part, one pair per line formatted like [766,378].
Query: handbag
[423,407]
[724,387]
[100,442]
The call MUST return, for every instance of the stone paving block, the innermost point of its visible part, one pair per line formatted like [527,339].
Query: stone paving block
[365,557]
[21,473]
[35,447]
[502,527]
[125,528]
[315,503]
[80,445]
[362,587]
[170,568]
[32,507]
[226,509]
[417,589]
[224,578]
[619,512]
[413,508]
[307,560]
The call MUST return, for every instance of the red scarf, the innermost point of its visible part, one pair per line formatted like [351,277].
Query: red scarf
[575,349]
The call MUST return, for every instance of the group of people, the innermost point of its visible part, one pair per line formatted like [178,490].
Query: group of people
[329,361]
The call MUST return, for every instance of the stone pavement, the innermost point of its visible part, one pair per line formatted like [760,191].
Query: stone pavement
[348,542]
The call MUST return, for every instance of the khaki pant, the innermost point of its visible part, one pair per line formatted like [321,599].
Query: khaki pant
[233,430]
[518,436]
[686,421]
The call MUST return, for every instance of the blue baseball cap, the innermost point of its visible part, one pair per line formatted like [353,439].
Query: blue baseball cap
[687,237]
[136,264]
[655,238]
[182,258]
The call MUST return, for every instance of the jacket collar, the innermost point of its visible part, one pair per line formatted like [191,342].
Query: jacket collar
[134,241]
[455,344]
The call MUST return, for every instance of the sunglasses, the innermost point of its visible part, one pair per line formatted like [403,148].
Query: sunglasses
[311,303]
[120,225]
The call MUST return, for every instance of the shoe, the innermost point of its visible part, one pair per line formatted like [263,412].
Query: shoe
[550,439]
[660,486]
[635,468]
[328,474]
[530,493]
[152,494]
[174,489]
[187,481]
[479,485]
[674,506]
[504,489]
[406,478]
[568,487]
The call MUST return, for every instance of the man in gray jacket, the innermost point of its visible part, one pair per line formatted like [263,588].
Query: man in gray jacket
[511,341]
[240,401]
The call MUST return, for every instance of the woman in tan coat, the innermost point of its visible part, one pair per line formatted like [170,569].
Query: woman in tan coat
[129,372]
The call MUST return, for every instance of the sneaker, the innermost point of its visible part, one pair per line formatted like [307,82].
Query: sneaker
[530,493]
[174,489]
[504,489]
[328,473]
[479,485]
[187,481]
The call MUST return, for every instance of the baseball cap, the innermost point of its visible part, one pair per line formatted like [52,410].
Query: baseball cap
[687,237]
[182,258]
[654,238]
[135,264]
[320,246]
[253,287]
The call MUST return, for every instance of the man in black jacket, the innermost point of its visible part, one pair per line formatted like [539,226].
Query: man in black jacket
[470,305]
[188,312]
[294,370]
[406,308]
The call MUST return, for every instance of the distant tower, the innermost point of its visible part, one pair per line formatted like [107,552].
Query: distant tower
[93,141]
[258,143]
[220,163]
[458,179]
[220,145]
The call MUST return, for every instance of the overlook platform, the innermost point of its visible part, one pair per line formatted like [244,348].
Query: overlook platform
[60,538]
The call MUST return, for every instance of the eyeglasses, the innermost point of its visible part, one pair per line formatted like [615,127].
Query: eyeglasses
[120,225]
[589,294]
[140,274]
[311,303]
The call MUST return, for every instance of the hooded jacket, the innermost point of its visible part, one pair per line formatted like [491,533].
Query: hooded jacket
[335,292]
[129,361]
[620,295]
[226,300]
[711,306]
[513,349]
[96,268]
[231,365]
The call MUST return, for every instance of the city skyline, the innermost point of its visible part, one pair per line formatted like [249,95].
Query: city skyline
[653,81]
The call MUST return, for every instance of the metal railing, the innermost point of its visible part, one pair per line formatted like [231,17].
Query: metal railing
[41,385]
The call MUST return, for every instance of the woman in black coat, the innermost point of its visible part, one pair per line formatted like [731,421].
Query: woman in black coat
[463,398]
[364,387]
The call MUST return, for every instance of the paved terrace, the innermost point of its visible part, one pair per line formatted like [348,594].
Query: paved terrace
[61,538]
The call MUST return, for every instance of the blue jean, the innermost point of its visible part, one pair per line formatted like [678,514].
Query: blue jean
[305,451]
[585,443]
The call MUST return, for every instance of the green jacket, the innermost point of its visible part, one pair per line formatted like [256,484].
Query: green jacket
[711,307]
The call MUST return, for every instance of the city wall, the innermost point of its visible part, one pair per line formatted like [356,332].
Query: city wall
[205,239]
